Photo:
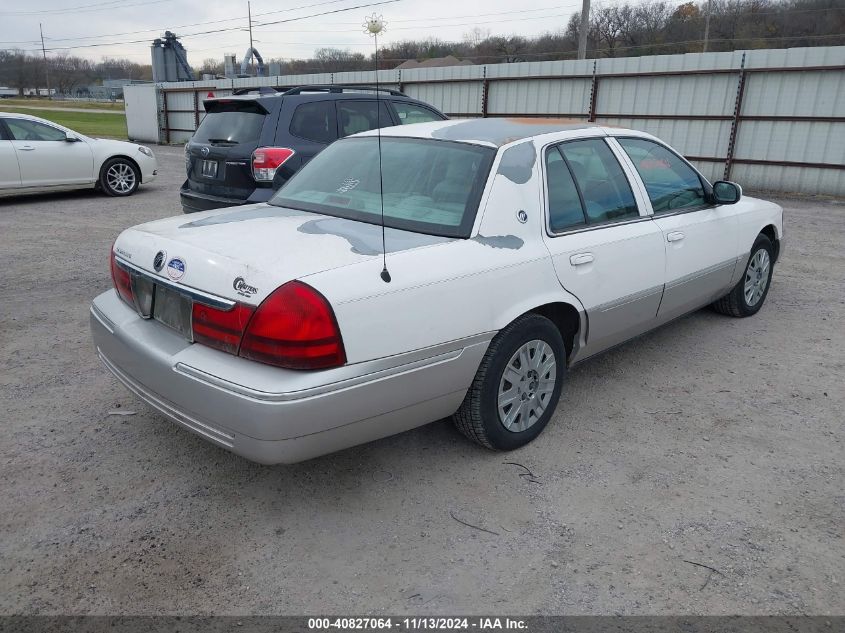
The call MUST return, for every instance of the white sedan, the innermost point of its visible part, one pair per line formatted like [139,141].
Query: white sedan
[38,156]
[282,330]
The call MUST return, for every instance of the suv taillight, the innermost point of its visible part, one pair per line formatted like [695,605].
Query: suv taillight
[266,160]
[122,281]
[294,328]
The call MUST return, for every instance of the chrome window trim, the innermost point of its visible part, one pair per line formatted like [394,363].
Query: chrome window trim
[584,227]
[192,293]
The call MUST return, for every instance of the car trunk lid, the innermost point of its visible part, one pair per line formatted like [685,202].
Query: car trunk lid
[245,253]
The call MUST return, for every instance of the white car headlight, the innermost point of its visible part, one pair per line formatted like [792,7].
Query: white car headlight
[145,150]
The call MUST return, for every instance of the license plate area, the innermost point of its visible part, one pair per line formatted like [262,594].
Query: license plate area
[173,309]
[208,168]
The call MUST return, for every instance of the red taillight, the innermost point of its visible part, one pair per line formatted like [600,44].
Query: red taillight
[266,160]
[219,329]
[294,327]
[122,281]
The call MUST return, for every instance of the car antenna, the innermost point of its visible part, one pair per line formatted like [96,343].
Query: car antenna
[373,25]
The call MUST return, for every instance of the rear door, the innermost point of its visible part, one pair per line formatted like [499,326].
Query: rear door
[606,249]
[45,158]
[313,125]
[360,115]
[700,238]
[10,175]
[219,155]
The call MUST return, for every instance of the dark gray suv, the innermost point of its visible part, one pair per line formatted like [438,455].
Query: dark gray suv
[248,145]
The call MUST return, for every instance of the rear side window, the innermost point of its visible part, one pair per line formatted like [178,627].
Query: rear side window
[409,113]
[23,130]
[231,124]
[315,121]
[565,209]
[360,116]
[671,183]
[605,191]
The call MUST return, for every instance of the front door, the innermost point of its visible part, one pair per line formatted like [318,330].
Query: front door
[605,251]
[46,158]
[10,175]
[700,238]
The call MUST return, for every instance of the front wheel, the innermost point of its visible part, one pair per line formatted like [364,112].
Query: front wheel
[747,296]
[119,177]
[517,386]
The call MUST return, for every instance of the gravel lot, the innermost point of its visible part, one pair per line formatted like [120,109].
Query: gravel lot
[714,441]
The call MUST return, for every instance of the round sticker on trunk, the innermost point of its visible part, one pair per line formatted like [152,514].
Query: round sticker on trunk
[176,268]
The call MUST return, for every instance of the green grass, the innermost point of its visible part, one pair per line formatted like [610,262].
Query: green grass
[88,123]
[57,105]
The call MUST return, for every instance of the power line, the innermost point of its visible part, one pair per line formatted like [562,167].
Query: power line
[223,30]
[181,26]
[113,4]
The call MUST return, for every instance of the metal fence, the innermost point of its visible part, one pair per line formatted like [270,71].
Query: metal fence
[769,119]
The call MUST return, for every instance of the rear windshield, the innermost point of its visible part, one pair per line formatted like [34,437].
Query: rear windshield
[430,186]
[232,124]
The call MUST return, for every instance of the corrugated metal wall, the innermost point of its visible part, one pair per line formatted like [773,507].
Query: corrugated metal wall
[788,135]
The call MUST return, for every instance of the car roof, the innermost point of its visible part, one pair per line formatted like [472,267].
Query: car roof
[494,132]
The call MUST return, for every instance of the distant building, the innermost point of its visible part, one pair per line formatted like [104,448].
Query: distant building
[110,89]
[434,62]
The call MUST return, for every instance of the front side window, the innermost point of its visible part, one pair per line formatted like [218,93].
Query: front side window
[605,190]
[24,130]
[360,116]
[315,121]
[430,186]
[671,183]
[409,113]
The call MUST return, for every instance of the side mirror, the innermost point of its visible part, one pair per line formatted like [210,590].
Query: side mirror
[71,139]
[726,192]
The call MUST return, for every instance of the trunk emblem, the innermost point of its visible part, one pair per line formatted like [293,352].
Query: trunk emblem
[243,288]
[204,151]
[176,268]
[158,261]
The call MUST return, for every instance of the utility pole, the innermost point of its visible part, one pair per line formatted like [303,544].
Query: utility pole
[251,52]
[46,65]
[585,26]
[706,27]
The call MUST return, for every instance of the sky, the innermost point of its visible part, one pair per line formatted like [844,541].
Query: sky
[99,28]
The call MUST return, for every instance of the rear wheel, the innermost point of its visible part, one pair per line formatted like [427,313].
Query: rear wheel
[747,296]
[119,177]
[517,386]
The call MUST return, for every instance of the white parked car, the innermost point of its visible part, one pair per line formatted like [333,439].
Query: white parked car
[38,156]
[514,250]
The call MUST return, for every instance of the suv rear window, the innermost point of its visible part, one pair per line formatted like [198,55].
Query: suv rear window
[231,123]
[430,186]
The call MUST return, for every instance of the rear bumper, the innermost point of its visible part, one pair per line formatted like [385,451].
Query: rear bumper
[193,202]
[306,415]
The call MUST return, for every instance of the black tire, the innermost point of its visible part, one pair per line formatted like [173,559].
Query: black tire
[478,417]
[119,177]
[735,303]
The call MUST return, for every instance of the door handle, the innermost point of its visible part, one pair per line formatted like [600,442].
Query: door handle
[580,259]
[26,148]
[675,236]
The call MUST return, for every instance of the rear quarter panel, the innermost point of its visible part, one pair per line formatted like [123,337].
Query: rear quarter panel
[450,291]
